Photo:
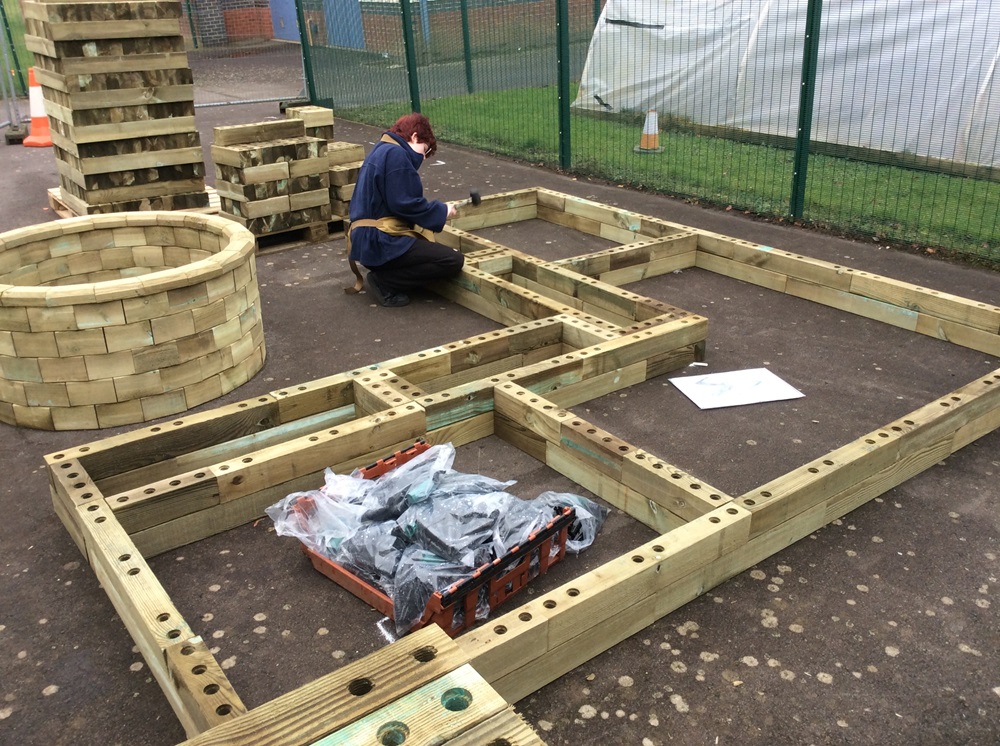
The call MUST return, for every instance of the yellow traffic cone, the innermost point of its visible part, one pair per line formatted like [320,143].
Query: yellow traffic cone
[649,142]
[40,136]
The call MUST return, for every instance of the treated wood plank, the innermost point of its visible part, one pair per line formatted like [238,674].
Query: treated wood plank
[125,130]
[161,501]
[433,714]
[458,403]
[464,431]
[317,396]
[496,209]
[283,462]
[497,299]
[929,302]
[201,685]
[633,255]
[254,132]
[505,728]
[343,696]
[959,334]
[926,434]
[141,602]
[655,268]
[136,480]
[608,488]
[738,271]
[670,487]
[806,269]
[119,454]
[869,308]
[232,513]
[582,617]
[378,392]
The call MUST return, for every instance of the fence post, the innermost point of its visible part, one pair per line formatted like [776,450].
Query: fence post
[16,69]
[411,55]
[190,15]
[563,63]
[467,46]
[810,56]
[306,47]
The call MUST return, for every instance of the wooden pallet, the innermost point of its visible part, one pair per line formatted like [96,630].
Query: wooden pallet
[59,206]
[296,238]
[572,335]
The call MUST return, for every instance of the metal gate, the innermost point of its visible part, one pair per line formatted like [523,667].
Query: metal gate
[243,51]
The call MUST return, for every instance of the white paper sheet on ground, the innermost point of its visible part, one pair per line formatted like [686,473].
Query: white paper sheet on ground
[735,388]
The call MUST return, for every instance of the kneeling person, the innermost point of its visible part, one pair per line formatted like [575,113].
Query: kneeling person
[392,224]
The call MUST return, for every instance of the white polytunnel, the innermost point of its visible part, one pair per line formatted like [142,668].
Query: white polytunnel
[905,76]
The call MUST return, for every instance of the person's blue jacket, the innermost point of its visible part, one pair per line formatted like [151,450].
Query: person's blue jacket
[389,186]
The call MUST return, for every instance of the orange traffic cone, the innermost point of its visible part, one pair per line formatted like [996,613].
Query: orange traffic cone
[40,136]
[649,142]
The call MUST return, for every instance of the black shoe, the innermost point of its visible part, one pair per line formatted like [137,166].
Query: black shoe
[388,300]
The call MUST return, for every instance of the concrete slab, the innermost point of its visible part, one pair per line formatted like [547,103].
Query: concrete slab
[881,628]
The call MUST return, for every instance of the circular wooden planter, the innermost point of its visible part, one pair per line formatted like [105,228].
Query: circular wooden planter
[115,319]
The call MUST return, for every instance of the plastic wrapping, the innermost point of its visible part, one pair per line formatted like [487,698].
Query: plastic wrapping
[422,526]
[372,553]
[515,524]
[589,518]
[419,575]
[320,522]
[409,484]
[457,528]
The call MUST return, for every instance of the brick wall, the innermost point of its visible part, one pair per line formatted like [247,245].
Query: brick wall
[209,23]
[219,22]
[244,24]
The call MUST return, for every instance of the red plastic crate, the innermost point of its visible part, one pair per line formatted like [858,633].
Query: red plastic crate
[454,609]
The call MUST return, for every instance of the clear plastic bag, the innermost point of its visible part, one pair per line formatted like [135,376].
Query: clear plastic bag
[315,519]
[515,524]
[419,576]
[456,528]
[408,484]
[372,553]
[589,518]
[421,527]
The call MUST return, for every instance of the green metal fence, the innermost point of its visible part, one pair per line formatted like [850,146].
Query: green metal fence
[19,58]
[874,119]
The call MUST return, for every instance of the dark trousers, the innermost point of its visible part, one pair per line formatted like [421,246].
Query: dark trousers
[425,262]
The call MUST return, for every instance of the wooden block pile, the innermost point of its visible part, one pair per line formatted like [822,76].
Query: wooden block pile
[272,177]
[317,119]
[120,99]
[345,163]
[109,320]
[345,158]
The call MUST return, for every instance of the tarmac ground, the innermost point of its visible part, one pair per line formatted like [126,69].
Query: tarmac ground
[878,629]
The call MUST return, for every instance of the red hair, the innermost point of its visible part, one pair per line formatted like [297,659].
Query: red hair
[416,124]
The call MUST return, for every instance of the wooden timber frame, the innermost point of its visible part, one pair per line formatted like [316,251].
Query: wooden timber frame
[572,335]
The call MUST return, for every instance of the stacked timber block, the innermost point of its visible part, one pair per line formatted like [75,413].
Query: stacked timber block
[272,177]
[317,119]
[109,320]
[345,164]
[345,158]
[120,99]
